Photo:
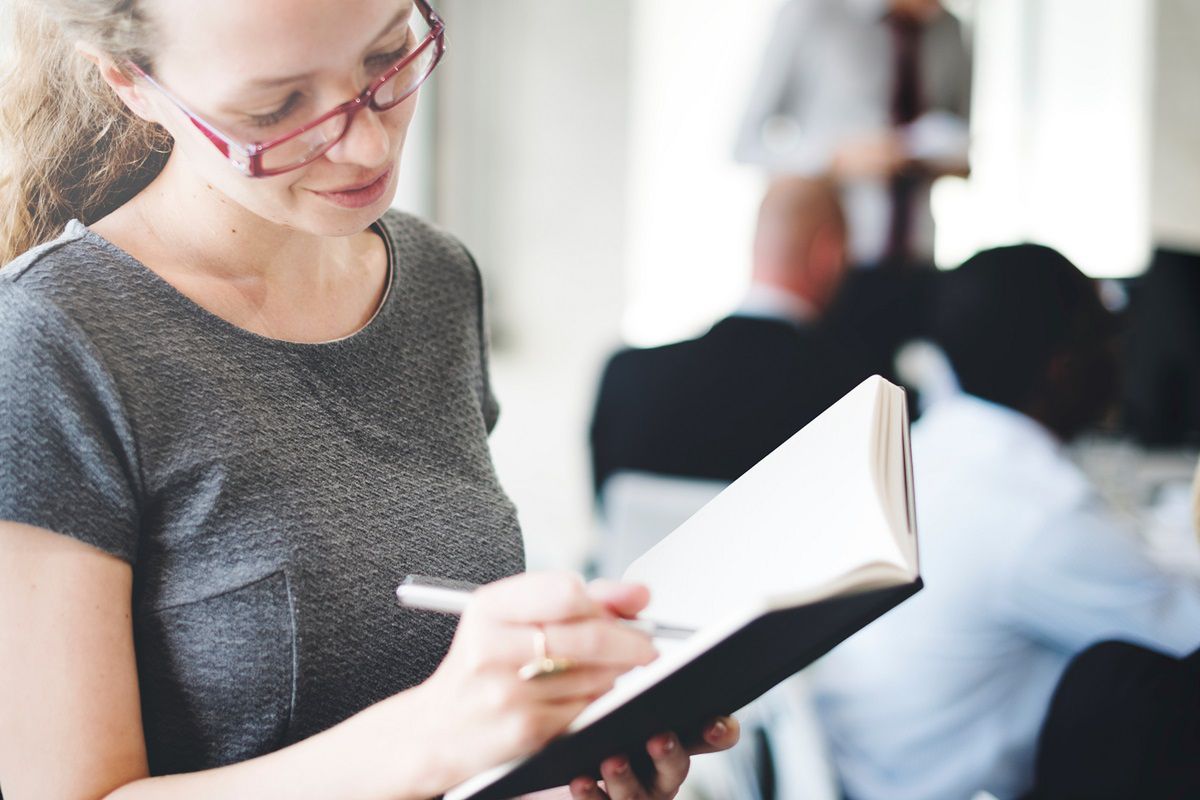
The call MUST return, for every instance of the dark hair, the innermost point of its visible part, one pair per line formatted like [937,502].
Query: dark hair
[1005,314]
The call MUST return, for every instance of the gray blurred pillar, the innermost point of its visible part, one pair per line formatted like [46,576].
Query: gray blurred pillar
[1175,126]
[532,142]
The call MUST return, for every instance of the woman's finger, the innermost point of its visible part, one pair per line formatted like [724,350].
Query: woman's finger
[719,734]
[671,764]
[597,642]
[600,641]
[620,598]
[620,781]
[535,597]
[586,789]
[578,683]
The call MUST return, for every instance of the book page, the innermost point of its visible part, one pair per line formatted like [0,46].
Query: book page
[806,515]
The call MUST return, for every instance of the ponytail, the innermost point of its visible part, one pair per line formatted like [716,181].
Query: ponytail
[69,148]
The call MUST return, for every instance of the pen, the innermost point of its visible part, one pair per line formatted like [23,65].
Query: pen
[450,597]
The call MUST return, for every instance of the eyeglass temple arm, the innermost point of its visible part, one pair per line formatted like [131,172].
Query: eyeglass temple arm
[223,143]
[435,19]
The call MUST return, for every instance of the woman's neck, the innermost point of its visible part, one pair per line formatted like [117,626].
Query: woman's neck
[268,278]
[207,231]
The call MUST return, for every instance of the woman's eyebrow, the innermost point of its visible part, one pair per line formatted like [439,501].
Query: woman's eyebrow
[270,83]
[402,16]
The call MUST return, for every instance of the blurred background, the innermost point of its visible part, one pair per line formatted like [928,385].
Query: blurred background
[583,149]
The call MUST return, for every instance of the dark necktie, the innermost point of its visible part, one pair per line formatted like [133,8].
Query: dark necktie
[905,107]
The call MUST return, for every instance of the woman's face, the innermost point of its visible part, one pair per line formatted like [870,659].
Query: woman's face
[258,70]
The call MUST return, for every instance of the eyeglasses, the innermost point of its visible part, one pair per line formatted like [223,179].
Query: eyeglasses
[301,146]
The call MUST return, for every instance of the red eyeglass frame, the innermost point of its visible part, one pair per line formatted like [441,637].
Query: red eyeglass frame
[250,163]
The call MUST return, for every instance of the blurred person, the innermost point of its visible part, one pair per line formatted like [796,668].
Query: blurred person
[713,406]
[1162,379]
[1124,722]
[1024,566]
[239,400]
[875,94]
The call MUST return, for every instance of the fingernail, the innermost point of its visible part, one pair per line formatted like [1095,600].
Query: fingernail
[716,732]
[620,766]
[583,785]
[669,743]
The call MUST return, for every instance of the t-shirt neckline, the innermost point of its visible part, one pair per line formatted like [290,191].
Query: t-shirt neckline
[161,285]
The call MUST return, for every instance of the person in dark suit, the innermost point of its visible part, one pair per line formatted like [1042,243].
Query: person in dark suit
[1162,374]
[713,406]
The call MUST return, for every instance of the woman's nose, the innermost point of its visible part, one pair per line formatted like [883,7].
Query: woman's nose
[366,142]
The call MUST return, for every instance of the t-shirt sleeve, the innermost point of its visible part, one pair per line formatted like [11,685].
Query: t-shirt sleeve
[491,406]
[67,460]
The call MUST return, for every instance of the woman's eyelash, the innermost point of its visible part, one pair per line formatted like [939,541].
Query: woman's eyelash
[266,120]
[281,113]
[387,59]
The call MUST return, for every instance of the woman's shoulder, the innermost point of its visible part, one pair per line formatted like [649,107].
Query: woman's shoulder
[413,236]
[68,274]
[37,335]
[28,295]
[63,248]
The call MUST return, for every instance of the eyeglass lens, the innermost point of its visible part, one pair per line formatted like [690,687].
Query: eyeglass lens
[312,143]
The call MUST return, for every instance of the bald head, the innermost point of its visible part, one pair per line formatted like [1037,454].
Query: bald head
[800,242]
[921,10]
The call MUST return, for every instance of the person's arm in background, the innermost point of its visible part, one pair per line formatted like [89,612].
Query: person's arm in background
[772,134]
[769,135]
[938,142]
[1084,578]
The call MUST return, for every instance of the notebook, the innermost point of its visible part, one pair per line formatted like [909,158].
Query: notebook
[811,544]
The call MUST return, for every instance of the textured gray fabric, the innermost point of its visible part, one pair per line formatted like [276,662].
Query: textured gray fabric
[269,495]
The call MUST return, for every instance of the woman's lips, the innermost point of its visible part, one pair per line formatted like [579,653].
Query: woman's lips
[361,195]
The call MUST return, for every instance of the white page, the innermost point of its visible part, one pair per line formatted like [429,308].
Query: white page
[803,516]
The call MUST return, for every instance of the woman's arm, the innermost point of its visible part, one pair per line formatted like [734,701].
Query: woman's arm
[69,699]
[366,757]
[72,719]
[70,704]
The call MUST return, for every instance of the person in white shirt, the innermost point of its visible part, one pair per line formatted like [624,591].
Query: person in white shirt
[1023,564]
[1124,722]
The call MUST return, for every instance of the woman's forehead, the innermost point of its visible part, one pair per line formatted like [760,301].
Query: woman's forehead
[247,42]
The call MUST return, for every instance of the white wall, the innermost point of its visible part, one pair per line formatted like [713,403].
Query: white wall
[691,209]
[533,176]
[1061,133]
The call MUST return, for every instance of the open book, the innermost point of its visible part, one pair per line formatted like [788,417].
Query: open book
[811,544]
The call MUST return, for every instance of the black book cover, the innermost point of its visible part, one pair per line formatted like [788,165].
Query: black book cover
[721,680]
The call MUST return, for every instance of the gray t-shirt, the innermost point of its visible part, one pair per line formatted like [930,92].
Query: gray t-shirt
[269,495]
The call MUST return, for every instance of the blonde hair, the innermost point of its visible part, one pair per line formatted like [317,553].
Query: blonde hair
[68,146]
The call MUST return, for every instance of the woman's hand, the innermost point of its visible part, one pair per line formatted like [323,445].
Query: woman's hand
[671,762]
[479,713]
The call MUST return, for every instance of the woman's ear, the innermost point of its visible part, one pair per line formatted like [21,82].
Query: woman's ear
[119,80]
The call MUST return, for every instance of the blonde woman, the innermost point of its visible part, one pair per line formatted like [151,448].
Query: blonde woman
[239,400]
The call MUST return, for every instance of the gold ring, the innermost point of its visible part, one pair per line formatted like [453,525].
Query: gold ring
[542,664]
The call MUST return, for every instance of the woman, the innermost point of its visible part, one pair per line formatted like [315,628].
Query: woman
[239,403]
